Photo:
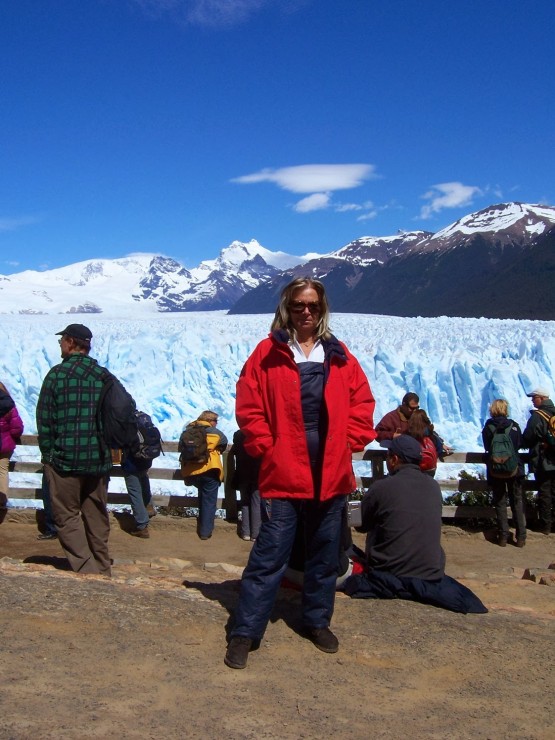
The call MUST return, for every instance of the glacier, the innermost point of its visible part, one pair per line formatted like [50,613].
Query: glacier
[177,365]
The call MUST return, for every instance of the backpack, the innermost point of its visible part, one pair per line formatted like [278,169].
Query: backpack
[193,445]
[550,434]
[116,418]
[503,459]
[150,439]
[429,454]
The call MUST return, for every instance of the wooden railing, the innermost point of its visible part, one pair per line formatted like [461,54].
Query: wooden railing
[376,458]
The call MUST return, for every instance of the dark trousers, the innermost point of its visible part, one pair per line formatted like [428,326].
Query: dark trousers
[546,497]
[269,556]
[510,488]
[251,515]
[79,508]
[49,523]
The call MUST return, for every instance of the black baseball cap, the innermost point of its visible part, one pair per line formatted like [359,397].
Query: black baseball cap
[405,447]
[77,331]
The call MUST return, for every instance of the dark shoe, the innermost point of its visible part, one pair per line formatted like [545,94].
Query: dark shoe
[237,652]
[151,511]
[502,541]
[205,536]
[324,639]
[520,543]
[47,536]
[546,530]
[142,533]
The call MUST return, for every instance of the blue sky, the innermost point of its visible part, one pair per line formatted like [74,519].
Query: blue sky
[178,126]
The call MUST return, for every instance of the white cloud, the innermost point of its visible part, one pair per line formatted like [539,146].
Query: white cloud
[448,195]
[314,202]
[345,207]
[222,12]
[216,13]
[312,178]
[367,216]
[13,224]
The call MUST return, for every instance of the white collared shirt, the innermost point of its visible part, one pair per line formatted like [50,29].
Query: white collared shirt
[316,353]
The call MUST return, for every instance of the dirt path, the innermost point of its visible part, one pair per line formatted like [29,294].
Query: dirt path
[141,655]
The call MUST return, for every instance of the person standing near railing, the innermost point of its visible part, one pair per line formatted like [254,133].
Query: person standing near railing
[505,483]
[245,480]
[201,445]
[542,454]
[11,428]
[76,462]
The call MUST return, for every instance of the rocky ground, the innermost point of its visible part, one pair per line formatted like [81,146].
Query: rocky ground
[141,655]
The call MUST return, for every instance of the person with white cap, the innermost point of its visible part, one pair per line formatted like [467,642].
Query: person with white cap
[542,456]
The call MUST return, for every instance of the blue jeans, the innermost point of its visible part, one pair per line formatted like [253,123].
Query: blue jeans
[269,556]
[138,488]
[208,485]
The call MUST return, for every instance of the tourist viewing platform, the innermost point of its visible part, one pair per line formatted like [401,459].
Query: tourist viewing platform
[472,482]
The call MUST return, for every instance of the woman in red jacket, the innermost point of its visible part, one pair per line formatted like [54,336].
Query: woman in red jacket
[305,406]
[11,428]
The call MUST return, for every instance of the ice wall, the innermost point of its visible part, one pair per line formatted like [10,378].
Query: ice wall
[177,365]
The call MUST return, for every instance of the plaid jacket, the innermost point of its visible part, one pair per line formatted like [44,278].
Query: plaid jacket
[67,418]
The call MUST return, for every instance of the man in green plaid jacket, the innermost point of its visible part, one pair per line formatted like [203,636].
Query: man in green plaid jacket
[76,461]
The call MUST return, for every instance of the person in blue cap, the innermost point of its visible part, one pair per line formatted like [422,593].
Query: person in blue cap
[404,559]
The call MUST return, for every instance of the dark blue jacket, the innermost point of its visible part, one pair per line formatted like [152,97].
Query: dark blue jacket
[502,422]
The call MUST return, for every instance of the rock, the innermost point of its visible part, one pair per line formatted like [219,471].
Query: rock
[542,576]
[226,567]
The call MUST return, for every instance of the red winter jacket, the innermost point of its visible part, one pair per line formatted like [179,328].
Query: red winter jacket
[268,410]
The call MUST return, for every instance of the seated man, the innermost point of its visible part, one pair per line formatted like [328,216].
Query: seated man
[396,422]
[405,560]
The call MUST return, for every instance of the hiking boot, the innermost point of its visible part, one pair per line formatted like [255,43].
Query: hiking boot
[502,540]
[151,511]
[142,533]
[237,652]
[323,638]
[520,543]
[47,536]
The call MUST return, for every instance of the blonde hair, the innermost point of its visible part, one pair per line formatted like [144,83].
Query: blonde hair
[208,416]
[499,407]
[282,318]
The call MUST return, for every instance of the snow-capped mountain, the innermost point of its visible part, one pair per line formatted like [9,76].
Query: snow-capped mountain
[505,223]
[495,263]
[375,250]
[470,268]
[143,284]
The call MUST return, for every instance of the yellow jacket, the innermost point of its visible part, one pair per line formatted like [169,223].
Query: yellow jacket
[216,442]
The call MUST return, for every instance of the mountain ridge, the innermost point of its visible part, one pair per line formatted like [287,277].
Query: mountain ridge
[449,272]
